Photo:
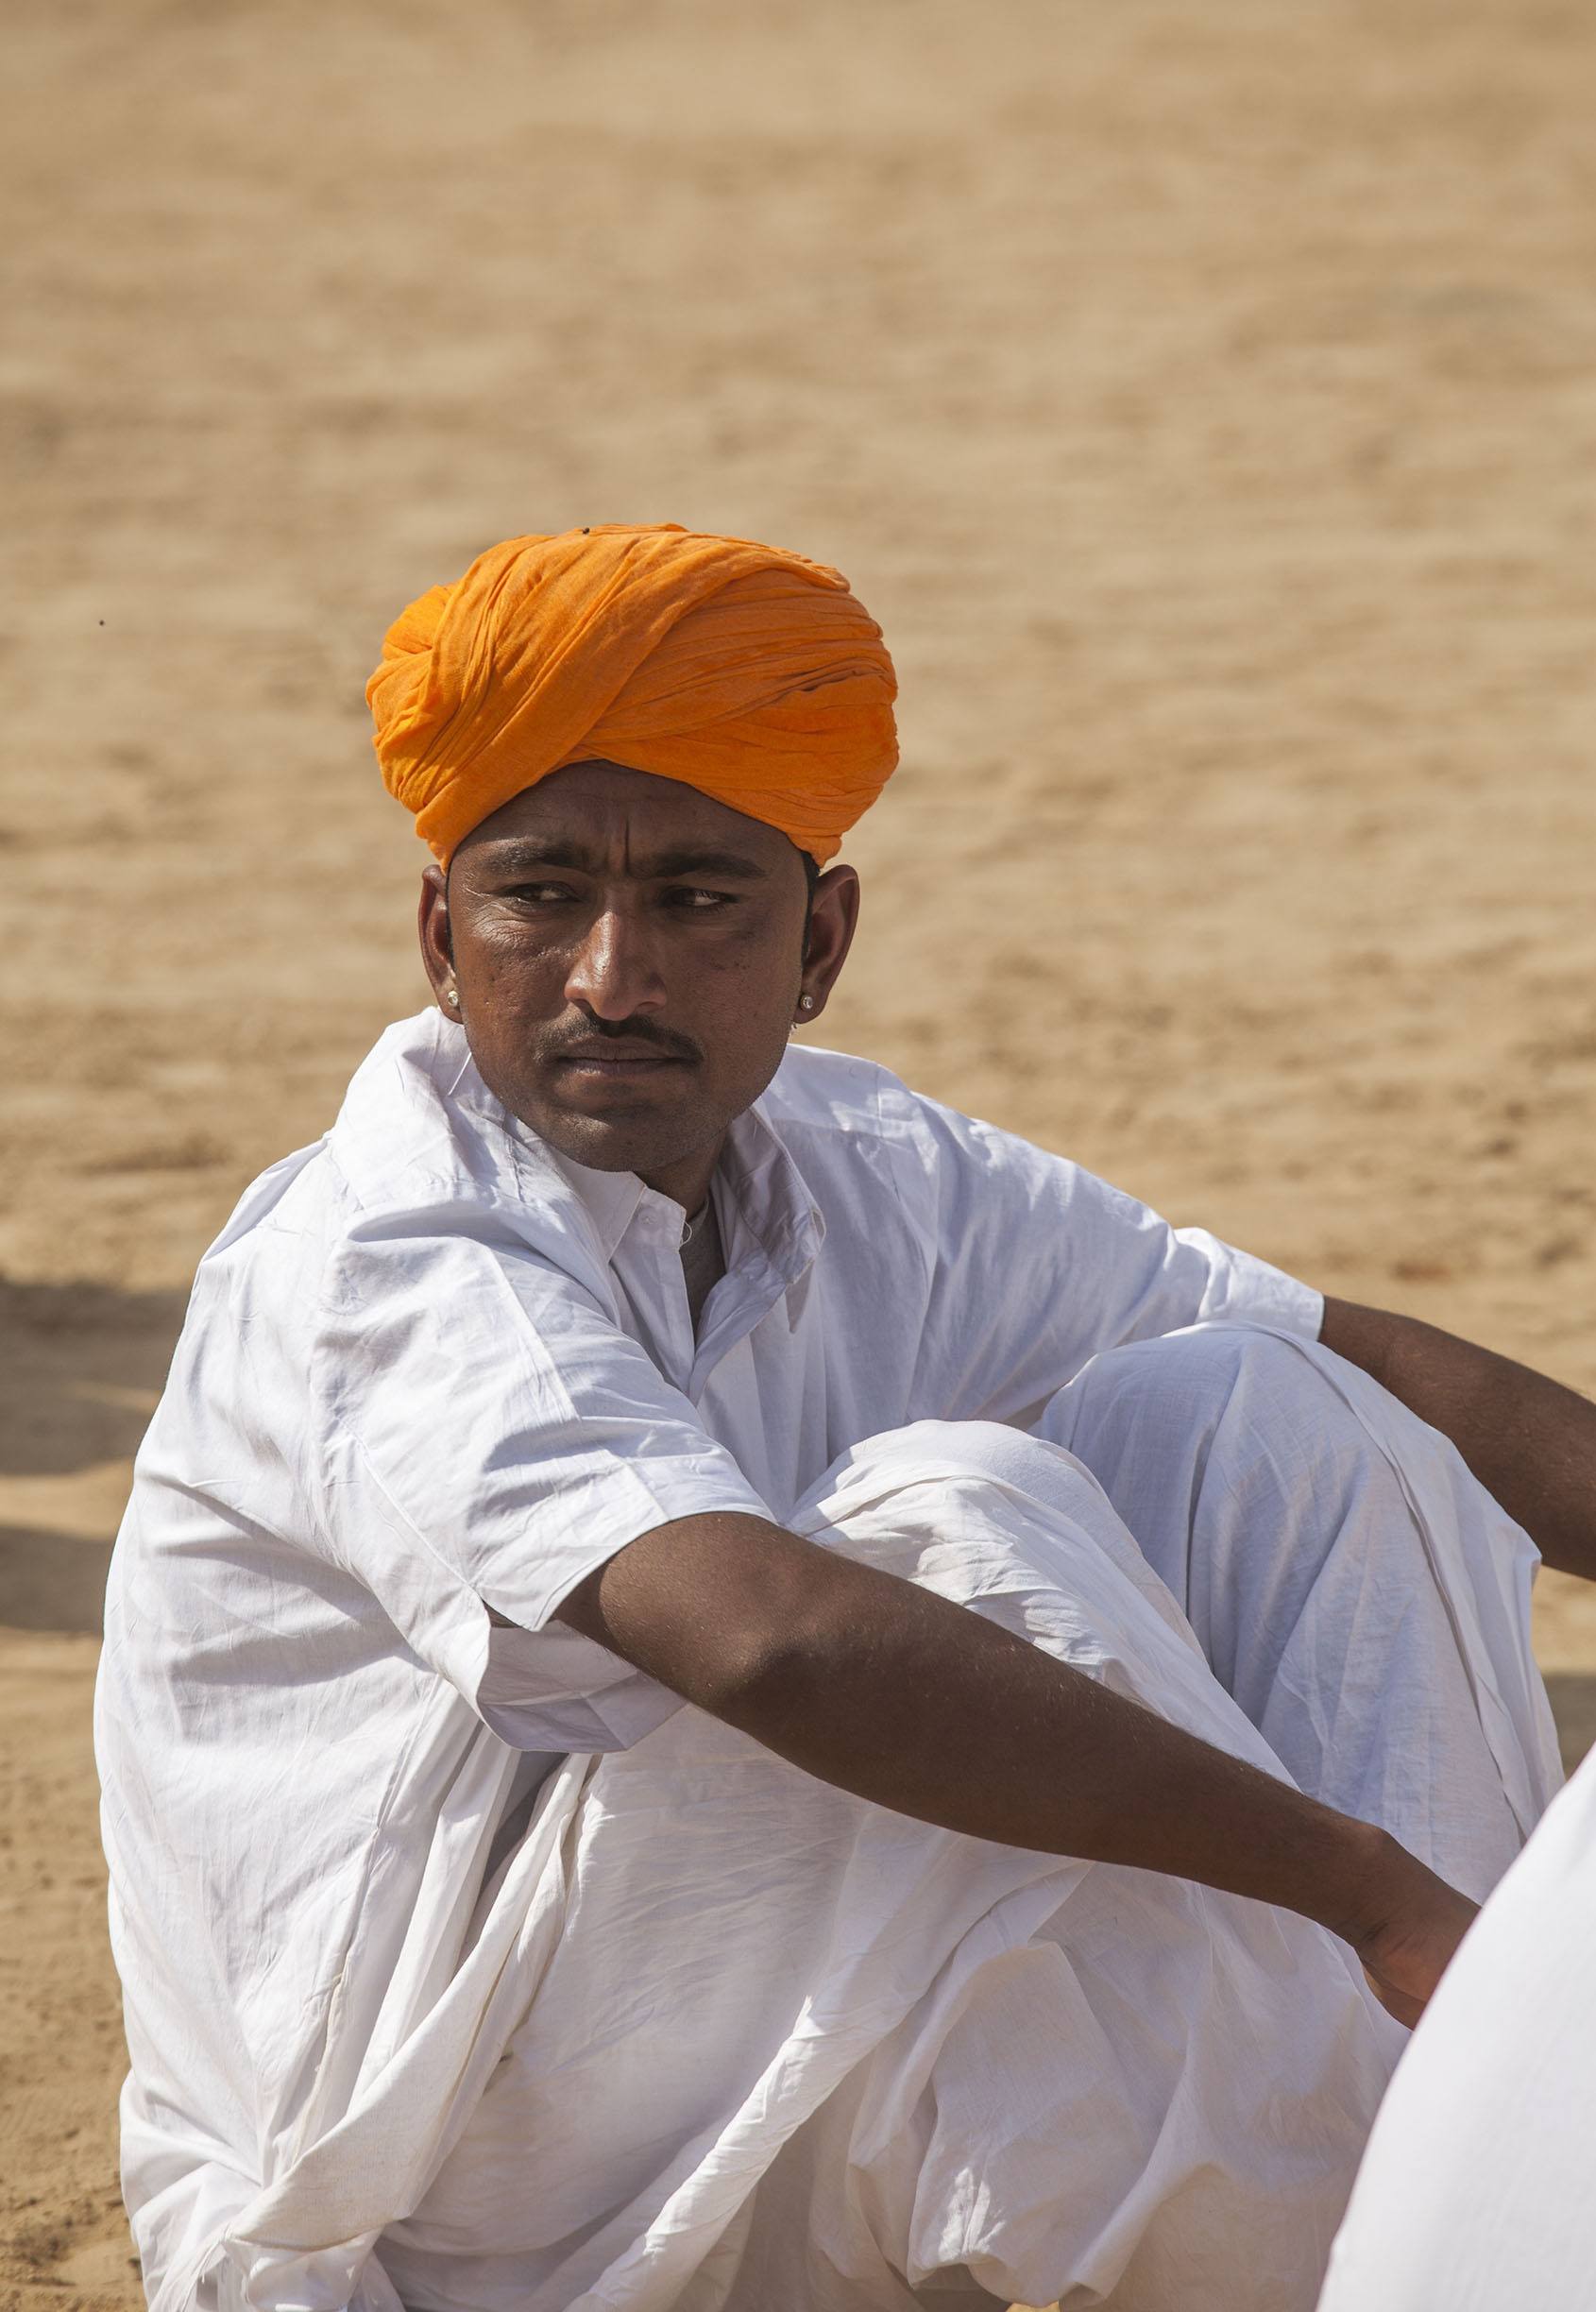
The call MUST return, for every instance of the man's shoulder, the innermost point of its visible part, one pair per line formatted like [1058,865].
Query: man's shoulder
[407,1127]
[818,1086]
[389,1124]
[838,1091]
[832,1107]
[848,1121]
[417,1134]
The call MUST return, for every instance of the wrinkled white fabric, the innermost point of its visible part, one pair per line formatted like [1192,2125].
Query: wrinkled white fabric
[1350,1585]
[961,2144]
[782,2048]
[1050,2070]
[431,1369]
[1475,2192]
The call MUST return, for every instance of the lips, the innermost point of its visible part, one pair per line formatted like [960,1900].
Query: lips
[594,1068]
[618,1054]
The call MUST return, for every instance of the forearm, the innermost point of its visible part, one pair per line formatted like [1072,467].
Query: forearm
[1531,1443]
[891,1692]
[931,1710]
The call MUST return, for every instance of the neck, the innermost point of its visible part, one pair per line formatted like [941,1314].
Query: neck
[686,1181]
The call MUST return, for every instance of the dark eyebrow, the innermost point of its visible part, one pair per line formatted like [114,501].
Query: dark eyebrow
[685,866]
[524,856]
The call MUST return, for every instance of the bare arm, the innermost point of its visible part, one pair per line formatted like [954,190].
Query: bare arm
[889,1692]
[1530,1442]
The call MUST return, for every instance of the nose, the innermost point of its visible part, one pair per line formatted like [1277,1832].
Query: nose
[613,973]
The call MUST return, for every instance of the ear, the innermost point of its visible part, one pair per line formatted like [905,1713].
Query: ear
[834,916]
[438,943]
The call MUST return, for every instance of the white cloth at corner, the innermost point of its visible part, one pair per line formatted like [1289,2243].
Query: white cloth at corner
[1475,2192]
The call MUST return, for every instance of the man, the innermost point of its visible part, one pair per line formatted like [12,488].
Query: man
[973,1933]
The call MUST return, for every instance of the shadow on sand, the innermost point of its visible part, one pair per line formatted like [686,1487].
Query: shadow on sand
[1573,1695]
[51,1581]
[80,1368]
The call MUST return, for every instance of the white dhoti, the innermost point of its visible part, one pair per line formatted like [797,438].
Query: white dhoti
[717,2036]
[1354,1590]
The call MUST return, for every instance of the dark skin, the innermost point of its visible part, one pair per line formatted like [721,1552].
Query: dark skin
[1531,1443]
[628,958]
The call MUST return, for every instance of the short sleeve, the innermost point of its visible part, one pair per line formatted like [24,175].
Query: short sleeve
[489,1435]
[1040,1265]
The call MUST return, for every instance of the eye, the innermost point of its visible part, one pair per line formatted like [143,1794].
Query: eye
[540,894]
[695,899]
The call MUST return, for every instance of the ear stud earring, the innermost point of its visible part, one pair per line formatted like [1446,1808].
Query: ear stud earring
[805,1003]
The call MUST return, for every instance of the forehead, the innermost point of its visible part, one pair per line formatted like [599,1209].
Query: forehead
[629,821]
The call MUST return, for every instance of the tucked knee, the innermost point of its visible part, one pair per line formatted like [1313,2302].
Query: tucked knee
[981,1449]
[1191,1379]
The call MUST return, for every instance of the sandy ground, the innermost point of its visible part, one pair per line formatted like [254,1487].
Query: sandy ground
[1204,399]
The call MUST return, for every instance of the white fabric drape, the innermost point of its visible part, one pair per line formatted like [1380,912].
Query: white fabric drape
[432,1376]
[722,2038]
[1350,1585]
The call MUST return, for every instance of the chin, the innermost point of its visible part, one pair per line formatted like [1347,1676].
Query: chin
[618,1144]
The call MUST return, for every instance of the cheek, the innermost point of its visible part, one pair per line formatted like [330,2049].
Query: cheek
[748,1004]
[518,973]
[509,1000]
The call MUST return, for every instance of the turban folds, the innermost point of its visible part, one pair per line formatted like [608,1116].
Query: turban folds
[749,673]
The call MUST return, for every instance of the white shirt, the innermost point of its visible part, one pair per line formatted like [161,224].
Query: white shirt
[429,1368]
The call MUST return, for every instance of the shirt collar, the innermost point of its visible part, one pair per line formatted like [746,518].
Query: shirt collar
[770,1196]
[610,1199]
[774,1215]
[419,1115]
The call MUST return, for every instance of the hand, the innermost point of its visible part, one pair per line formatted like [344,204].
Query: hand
[1418,1921]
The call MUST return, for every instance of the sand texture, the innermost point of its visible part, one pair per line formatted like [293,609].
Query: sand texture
[1204,399]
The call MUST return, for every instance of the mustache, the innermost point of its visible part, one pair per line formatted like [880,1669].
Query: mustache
[562,1041]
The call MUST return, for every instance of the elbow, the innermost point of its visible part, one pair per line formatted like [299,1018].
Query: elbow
[763,1679]
[758,1632]
[781,1671]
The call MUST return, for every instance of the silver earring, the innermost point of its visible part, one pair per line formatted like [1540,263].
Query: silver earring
[805,1003]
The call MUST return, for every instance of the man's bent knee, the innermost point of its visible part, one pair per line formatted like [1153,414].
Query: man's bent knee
[1187,1381]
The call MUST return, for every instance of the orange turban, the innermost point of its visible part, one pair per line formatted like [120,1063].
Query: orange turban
[749,673]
